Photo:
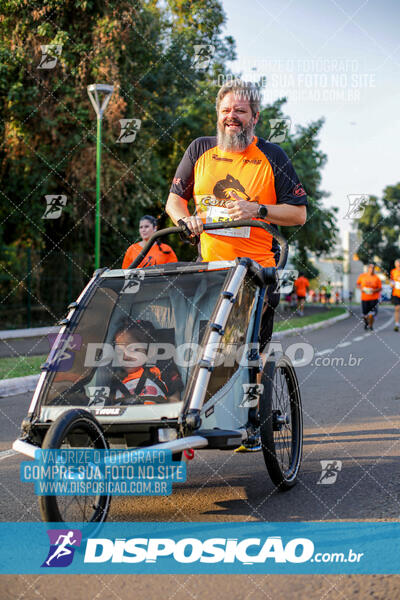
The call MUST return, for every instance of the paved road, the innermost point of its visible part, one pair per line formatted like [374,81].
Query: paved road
[351,399]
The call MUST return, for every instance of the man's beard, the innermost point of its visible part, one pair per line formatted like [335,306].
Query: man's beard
[235,142]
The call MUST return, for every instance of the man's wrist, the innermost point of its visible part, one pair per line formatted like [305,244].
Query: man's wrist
[262,211]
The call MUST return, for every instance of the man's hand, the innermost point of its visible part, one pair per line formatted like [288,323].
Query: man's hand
[177,209]
[241,209]
[195,224]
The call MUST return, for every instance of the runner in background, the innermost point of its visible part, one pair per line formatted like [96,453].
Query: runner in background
[302,285]
[159,253]
[328,293]
[370,286]
[395,283]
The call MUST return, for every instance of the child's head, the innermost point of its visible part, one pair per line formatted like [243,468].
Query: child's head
[131,340]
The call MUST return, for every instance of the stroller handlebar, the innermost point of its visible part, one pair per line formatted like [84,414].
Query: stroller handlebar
[212,226]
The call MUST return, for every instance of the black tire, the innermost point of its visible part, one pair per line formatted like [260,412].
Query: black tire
[89,509]
[281,422]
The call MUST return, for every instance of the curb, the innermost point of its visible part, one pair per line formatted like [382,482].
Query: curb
[21,385]
[321,325]
[18,385]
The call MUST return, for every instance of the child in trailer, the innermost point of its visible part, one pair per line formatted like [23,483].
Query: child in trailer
[142,383]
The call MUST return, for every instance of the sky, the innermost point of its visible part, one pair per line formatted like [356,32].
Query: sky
[337,59]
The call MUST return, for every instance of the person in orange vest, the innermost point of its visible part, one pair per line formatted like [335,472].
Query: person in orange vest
[159,254]
[301,284]
[395,283]
[370,286]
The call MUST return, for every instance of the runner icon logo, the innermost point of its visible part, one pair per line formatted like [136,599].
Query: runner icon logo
[330,471]
[251,394]
[129,129]
[132,282]
[98,395]
[357,205]
[60,552]
[279,130]
[50,54]
[202,56]
[286,279]
[54,206]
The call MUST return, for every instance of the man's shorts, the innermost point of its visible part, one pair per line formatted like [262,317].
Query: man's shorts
[396,300]
[301,297]
[267,318]
[369,306]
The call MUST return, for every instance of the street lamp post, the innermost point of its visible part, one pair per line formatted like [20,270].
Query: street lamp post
[94,91]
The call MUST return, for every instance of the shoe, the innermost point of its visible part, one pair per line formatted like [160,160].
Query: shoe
[371,322]
[252,444]
[365,325]
[396,327]
[247,448]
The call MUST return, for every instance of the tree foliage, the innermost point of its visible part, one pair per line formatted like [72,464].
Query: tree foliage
[318,235]
[379,229]
[145,48]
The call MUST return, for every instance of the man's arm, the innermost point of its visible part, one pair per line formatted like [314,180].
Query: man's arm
[176,208]
[278,214]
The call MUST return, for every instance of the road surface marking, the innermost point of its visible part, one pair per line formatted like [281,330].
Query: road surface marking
[327,351]
[6,453]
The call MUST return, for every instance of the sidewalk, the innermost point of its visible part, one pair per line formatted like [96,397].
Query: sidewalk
[11,334]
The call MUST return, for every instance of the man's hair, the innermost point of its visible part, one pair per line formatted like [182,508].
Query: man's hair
[245,89]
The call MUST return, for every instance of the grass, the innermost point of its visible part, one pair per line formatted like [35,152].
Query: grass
[293,322]
[20,366]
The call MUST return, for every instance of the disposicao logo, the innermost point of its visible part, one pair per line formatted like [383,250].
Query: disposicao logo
[190,550]
[62,547]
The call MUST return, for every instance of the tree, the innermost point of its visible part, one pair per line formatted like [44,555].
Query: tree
[147,50]
[379,229]
[318,235]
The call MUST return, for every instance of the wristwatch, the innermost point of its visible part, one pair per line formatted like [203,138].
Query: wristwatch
[262,211]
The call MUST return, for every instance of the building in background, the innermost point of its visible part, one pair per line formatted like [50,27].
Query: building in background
[352,267]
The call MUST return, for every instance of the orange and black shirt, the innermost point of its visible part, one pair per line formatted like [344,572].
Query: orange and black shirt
[395,278]
[261,173]
[155,256]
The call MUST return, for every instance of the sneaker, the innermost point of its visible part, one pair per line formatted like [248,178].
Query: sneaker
[245,447]
[365,325]
[252,444]
[396,327]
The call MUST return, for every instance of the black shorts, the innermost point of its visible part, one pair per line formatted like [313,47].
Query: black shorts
[301,297]
[396,300]
[369,306]
[267,318]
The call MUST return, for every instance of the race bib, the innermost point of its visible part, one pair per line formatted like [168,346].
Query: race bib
[397,285]
[214,211]
[368,290]
[218,214]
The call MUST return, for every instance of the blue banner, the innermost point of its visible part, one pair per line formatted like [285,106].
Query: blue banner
[209,548]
